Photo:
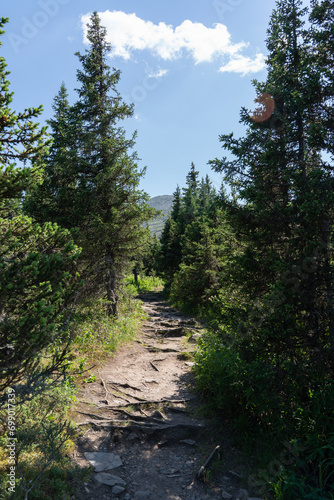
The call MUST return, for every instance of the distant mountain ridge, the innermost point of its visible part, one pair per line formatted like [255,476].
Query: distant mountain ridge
[163,203]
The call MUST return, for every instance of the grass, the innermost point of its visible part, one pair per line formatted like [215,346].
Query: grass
[144,284]
[98,335]
[186,356]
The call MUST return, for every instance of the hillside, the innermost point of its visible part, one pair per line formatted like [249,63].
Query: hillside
[163,203]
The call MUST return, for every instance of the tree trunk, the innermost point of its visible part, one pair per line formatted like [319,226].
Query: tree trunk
[112,295]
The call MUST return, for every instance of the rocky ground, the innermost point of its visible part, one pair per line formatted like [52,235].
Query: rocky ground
[140,425]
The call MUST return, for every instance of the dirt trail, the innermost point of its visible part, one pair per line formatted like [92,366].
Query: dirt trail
[139,420]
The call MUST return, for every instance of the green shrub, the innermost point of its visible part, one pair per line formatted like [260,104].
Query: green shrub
[43,440]
[312,473]
[97,334]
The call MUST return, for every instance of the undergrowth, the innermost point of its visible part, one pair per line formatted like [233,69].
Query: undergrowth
[44,437]
[144,284]
[43,441]
[290,439]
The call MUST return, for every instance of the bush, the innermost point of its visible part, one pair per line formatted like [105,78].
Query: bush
[43,440]
[312,474]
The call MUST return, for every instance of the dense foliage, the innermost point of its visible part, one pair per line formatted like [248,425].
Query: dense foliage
[259,262]
[38,277]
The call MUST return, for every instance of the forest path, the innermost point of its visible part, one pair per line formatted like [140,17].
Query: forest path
[139,421]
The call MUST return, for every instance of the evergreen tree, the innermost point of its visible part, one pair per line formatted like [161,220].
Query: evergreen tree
[204,251]
[321,39]
[170,240]
[38,278]
[58,183]
[98,176]
[285,189]
[190,197]
[22,141]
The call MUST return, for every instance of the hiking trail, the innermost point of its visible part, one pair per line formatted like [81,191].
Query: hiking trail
[139,423]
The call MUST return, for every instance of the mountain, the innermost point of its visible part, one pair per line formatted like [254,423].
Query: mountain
[163,203]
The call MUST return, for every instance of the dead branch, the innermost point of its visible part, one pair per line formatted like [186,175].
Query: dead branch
[104,387]
[154,367]
[202,470]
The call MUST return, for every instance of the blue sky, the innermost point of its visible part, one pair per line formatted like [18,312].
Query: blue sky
[187,65]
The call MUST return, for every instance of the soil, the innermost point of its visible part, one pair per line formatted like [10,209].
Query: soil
[144,409]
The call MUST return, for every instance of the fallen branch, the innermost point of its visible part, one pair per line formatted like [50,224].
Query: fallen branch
[202,470]
[104,387]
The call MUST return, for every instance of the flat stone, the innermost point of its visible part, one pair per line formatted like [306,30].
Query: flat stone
[132,437]
[157,414]
[109,479]
[226,495]
[142,494]
[196,336]
[117,490]
[103,461]
[127,497]
[190,442]
[243,494]
[235,474]
[169,472]
[189,363]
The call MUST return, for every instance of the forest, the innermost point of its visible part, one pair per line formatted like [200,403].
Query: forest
[253,260]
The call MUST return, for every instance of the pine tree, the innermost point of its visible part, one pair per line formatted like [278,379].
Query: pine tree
[21,140]
[169,257]
[38,277]
[204,248]
[98,176]
[58,183]
[321,39]
[190,197]
[284,189]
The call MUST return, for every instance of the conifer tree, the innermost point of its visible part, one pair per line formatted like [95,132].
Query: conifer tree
[190,196]
[98,174]
[286,189]
[38,274]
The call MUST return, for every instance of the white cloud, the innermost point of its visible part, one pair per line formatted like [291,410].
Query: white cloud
[158,73]
[128,33]
[244,65]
